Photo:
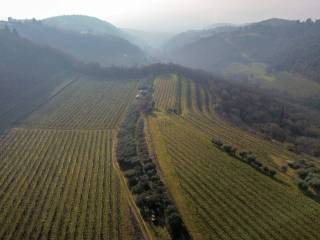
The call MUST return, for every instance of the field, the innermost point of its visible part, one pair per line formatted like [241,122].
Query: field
[57,173]
[17,100]
[59,178]
[218,196]
[289,83]
[60,184]
[166,97]
[85,104]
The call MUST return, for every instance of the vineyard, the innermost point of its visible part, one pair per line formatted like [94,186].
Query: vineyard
[57,173]
[17,100]
[220,197]
[60,184]
[85,104]
[166,98]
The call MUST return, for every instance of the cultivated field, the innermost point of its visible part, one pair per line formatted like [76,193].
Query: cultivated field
[57,174]
[166,96]
[85,104]
[218,196]
[18,100]
[60,184]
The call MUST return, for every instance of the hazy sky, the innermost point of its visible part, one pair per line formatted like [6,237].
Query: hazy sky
[164,15]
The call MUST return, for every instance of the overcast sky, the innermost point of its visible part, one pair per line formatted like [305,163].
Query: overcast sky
[164,15]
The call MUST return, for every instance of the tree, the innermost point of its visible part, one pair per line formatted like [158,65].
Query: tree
[272,173]
[217,142]
[174,223]
[251,158]
[243,154]
[315,183]
[303,173]
[284,168]
[303,185]
[229,149]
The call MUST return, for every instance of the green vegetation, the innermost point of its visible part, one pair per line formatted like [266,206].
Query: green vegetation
[290,46]
[83,24]
[28,76]
[217,196]
[57,174]
[253,71]
[108,50]
[85,104]
[61,184]
[245,156]
[143,179]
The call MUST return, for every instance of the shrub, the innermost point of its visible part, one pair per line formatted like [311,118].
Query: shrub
[303,173]
[284,168]
[170,210]
[138,189]
[229,149]
[251,158]
[303,185]
[295,165]
[132,181]
[174,223]
[217,142]
[130,173]
[243,154]
[138,171]
[315,183]
[149,166]
[151,172]
[272,173]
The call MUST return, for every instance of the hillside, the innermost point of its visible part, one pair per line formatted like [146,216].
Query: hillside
[29,75]
[58,174]
[282,45]
[83,24]
[104,49]
[127,153]
[218,195]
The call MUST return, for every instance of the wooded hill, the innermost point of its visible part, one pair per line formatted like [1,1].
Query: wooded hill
[281,44]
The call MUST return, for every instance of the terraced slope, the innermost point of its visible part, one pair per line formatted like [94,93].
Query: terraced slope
[85,104]
[219,196]
[60,184]
[165,97]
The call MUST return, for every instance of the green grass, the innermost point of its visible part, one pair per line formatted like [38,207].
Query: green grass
[256,71]
[289,83]
[295,84]
[220,197]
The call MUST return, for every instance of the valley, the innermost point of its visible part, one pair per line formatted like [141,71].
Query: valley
[214,135]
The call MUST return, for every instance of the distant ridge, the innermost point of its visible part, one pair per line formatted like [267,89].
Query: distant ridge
[83,24]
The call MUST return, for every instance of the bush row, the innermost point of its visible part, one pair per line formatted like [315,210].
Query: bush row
[245,156]
[143,179]
[307,175]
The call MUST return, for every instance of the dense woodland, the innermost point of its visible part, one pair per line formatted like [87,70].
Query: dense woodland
[269,113]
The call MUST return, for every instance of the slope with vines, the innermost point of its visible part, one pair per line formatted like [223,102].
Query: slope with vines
[60,184]
[218,196]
